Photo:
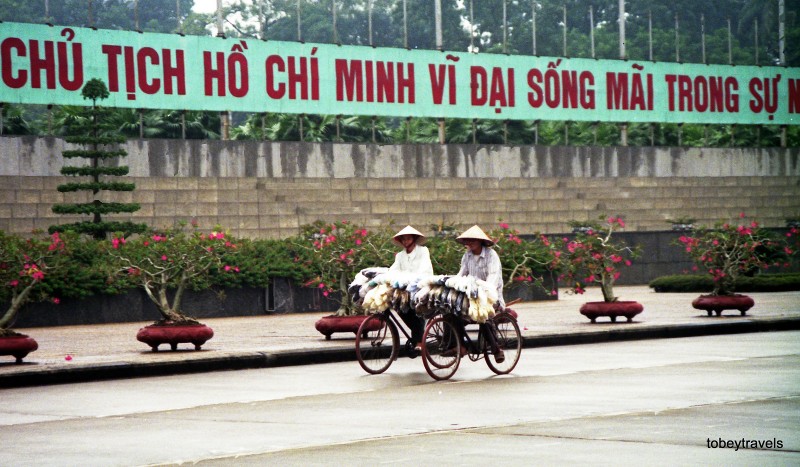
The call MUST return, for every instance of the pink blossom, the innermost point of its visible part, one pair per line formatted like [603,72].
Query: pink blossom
[324,293]
[13,283]
[616,258]
[358,241]
[503,225]
[227,268]
[627,262]
[68,358]
[616,275]
[321,285]
[146,243]
[163,257]
[37,275]
[56,300]
[741,215]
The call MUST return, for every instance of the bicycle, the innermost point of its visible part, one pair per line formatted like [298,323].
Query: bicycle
[378,343]
[442,347]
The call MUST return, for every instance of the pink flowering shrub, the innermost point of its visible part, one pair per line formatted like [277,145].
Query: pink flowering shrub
[593,257]
[335,252]
[24,264]
[727,251]
[525,260]
[173,259]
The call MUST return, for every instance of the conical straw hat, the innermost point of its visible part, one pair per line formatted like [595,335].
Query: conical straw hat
[476,233]
[408,230]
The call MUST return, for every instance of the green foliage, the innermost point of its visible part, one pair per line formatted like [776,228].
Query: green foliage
[94,89]
[704,283]
[96,207]
[13,120]
[93,154]
[96,186]
[94,171]
[445,253]
[262,260]
[727,251]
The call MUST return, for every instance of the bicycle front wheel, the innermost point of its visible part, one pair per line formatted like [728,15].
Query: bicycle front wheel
[377,344]
[509,341]
[441,349]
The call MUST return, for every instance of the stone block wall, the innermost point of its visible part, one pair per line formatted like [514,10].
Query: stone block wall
[265,189]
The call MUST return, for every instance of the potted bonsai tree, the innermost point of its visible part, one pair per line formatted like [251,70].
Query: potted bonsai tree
[335,252]
[24,264]
[171,261]
[594,257]
[727,251]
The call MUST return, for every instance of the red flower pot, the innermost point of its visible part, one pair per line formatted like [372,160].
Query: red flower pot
[594,310]
[327,325]
[18,346]
[174,334]
[717,303]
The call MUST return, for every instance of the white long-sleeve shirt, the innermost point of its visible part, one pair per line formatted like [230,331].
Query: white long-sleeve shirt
[485,266]
[418,261]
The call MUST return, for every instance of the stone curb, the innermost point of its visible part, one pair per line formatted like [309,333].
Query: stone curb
[254,360]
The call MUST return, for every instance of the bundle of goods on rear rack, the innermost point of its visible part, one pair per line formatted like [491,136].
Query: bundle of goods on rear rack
[377,289]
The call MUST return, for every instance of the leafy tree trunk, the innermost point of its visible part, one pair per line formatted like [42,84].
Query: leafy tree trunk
[16,303]
[347,307]
[607,286]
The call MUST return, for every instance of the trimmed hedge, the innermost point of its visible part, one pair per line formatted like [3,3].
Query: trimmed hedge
[704,283]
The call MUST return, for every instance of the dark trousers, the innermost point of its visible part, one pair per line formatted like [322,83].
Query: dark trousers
[415,324]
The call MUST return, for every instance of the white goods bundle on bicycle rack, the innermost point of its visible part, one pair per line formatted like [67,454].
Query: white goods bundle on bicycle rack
[377,289]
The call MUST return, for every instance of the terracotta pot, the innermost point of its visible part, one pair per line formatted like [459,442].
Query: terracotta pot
[717,303]
[594,310]
[18,346]
[327,325]
[174,334]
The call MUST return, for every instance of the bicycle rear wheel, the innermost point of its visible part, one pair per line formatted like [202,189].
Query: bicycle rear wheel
[509,340]
[377,344]
[441,349]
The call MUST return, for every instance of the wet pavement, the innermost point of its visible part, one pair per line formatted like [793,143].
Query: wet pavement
[96,352]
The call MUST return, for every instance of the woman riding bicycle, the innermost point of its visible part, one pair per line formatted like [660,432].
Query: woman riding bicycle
[482,262]
[413,258]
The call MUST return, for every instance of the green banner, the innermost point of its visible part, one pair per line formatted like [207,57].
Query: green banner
[42,64]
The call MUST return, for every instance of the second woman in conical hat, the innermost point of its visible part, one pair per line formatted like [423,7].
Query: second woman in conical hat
[413,258]
[482,262]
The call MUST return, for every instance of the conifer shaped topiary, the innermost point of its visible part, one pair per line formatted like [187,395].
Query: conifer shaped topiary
[96,149]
